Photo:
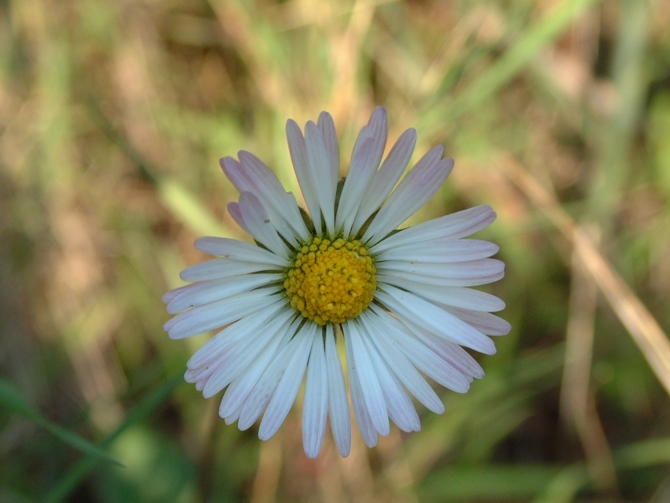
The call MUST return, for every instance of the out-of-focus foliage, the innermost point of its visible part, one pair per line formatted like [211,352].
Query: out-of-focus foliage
[113,115]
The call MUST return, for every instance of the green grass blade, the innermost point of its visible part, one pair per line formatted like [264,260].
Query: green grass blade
[504,69]
[187,208]
[85,466]
[12,400]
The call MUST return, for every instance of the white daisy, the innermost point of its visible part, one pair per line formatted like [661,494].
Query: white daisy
[399,298]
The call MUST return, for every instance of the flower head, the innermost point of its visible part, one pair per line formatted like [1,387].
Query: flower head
[343,268]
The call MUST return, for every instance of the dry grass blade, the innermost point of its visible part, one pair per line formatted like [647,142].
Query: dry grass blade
[269,469]
[639,322]
[577,398]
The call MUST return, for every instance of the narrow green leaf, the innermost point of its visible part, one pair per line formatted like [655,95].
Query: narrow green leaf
[504,69]
[187,208]
[12,400]
[86,465]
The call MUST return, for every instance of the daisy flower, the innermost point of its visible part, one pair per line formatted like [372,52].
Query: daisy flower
[341,268]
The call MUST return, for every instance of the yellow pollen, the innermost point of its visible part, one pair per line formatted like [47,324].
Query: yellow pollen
[331,281]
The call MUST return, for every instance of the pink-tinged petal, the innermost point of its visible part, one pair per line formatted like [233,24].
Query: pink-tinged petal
[401,366]
[205,292]
[459,270]
[434,319]
[238,250]
[320,171]
[386,178]
[315,405]
[329,134]
[441,250]
[361,171]
[340,421]
[232,168]
[287,389]
[379,126]
[233,416]
[260,226]
[252,175]
[367,376]
[398,404]
[224,268]
[201,374]
[456,225]
[486,323]
[281,206]
[217,314]
[236,213]
[412,193]
[446,296]
[200,385]
[298,150]
[365,160]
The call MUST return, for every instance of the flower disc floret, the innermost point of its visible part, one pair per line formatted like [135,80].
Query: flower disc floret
[331,281]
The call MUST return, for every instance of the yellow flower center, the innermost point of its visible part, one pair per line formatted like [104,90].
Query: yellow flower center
[331,281]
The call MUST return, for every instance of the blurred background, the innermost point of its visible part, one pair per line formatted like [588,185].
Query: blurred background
[113,115]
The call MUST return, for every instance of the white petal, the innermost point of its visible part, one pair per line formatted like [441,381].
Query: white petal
[441,250]
[298,150]
[420,184]
[398,404]
[232,334]
[385,179]
[262,392]
[260,226]
[340,420]
[315,406]
[239,389]
[367,376]
[481,268]
[486,323]
[400,365]
[363,420]
[398,277]
[453,296]
[449,351]
[456,225]
[422,357]
[287,389]
[238,357]
[238,250]
[434,319]
[324,182]
[217,314]
[209,291]
[224,268]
